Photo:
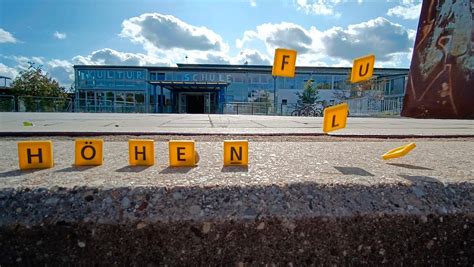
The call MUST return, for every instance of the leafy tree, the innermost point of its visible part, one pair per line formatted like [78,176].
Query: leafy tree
[36,91]
[34,82]
[309,95]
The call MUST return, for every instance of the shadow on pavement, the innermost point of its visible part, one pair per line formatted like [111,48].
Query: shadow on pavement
[353,171]
[420,179]
[235,169]
[17,172]
[132,168]
[176,170]
[408,166]
[76,168]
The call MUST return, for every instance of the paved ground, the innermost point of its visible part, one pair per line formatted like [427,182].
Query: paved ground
[224,124]
[280,163]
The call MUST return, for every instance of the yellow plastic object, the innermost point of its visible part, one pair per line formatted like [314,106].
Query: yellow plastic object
[27,123]
[35,154]
[141,152]
[89,152]
[182,153]
[399,151]
[335,117]
[362,68]
[236,153]
[284,63]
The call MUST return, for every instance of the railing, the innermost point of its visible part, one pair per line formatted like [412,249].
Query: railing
[109,106]
[44,104]
[7,103]
[249,108]
[391,106]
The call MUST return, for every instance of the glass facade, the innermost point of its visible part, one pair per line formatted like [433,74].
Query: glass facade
[127,89]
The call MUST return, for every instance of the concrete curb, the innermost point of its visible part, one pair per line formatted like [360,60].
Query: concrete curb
[426,223]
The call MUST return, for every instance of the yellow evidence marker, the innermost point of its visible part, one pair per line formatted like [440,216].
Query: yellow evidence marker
[35,155]
[399,151]
[362,68]
[236,152]
[335,117]
[284,63]
[89,152]
[141,152]
[182,153]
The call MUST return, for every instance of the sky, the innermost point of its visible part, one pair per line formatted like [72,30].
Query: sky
[58,34]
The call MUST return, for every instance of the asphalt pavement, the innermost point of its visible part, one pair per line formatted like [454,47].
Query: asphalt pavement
[204,124]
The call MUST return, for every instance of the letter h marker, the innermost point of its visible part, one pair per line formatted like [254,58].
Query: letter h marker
[35,155]
[141,152]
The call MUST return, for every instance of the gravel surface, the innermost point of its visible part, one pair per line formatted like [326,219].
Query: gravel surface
[302,203]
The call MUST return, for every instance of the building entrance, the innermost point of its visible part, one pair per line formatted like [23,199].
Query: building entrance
[195,104]
[191,97]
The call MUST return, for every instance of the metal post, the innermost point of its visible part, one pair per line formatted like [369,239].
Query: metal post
[162,100]
[155,99]
[275,101]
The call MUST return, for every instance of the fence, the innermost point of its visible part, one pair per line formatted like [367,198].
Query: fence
[249,108]
[108,106]
[10,103]
[7,103]
[373,107]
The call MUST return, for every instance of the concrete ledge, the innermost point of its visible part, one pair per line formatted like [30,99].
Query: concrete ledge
[302,223]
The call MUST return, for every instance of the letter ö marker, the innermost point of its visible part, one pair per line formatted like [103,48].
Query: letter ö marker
[35,155]
[236,153]
[89,152]
[141,152]
[182,153]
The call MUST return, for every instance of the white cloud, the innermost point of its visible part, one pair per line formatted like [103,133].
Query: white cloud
[157,32]
[8,71]
[59,35]
[107,56]
[408,9]
[252,57]
[336,46]
[60,70]
[6,37]
[377,36]
[318,7]
[284,35]
[253,3]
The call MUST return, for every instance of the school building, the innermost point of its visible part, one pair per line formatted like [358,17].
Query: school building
[210,88]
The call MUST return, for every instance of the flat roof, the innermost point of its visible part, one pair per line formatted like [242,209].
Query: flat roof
[238,68]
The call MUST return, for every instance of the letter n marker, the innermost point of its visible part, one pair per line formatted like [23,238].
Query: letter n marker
[236,153]
[35,154]
[141,152]
[182,153]
[89,152]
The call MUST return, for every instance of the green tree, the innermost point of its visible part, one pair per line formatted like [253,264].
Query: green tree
[36,91]
[34,82]
[309,95]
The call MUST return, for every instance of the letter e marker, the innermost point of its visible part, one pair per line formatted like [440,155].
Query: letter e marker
[89,152]
[335,117]
[35,155]
[236,153]
[141,152]
[182,153]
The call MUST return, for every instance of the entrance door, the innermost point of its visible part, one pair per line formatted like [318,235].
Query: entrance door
[195,104]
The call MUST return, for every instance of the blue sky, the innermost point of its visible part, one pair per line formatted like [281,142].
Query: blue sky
[59,34]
